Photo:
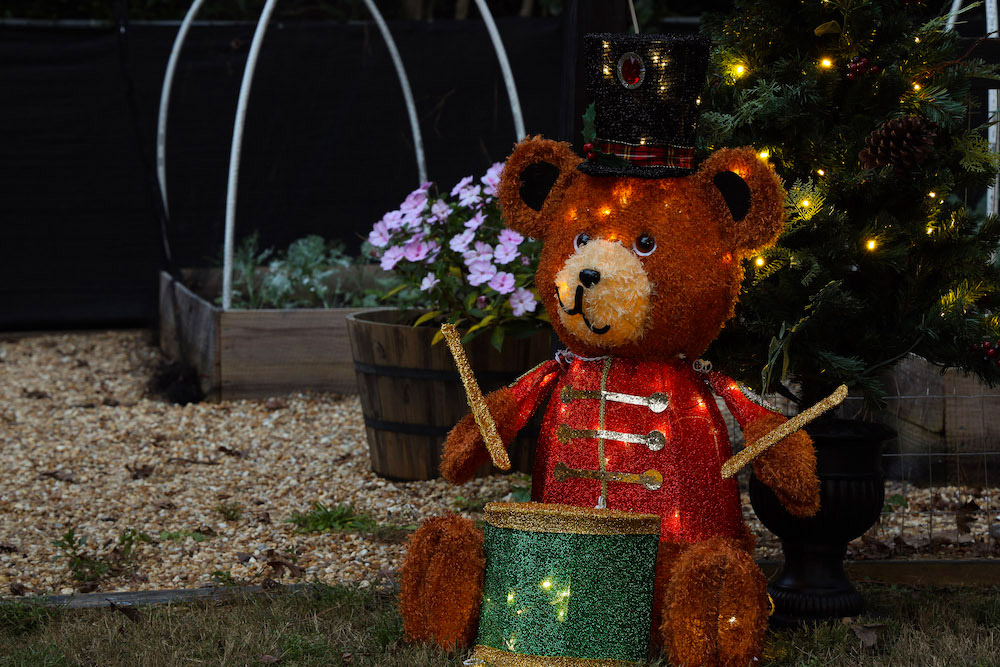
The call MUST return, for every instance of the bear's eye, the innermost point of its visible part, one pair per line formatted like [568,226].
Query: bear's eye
[580,240]
[644,245]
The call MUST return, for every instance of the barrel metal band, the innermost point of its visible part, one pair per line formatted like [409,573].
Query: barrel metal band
[498,378]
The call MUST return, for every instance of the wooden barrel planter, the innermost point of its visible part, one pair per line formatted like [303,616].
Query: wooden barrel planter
[411,394]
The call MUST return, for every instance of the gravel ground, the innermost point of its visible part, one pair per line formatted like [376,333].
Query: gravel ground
[85,446]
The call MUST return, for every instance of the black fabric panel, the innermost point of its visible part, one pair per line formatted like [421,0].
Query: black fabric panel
[327,147]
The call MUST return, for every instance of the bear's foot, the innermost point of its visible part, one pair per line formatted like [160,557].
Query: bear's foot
[716,608]
[441,582]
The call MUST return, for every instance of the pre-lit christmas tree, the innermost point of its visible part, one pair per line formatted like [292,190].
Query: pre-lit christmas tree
[863,108]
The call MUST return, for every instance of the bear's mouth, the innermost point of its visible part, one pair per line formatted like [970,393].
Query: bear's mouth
[577,309]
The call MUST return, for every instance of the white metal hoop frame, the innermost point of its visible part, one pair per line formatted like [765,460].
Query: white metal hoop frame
[992,97]
[244,95]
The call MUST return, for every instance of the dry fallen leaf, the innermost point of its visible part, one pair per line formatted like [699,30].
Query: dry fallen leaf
[276,404]
[17,589]
[280,565]
[867,632]
[270,659]
[61,475]
[130,612]
[140,471]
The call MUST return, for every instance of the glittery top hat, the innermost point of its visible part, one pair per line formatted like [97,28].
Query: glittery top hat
[646,91]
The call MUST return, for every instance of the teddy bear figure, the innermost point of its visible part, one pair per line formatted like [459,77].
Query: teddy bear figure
[639,271]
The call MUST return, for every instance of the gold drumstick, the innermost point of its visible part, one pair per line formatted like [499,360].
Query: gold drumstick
[752,451]
[477,403]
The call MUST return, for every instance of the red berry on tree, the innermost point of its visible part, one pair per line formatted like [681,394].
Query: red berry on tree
[875,69]
[992,352]
[849,76]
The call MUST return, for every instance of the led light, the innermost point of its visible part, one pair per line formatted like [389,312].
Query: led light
[916,86]
[871,244]
[932,195]
[804,203]
[916,39]
[821,172]
[605,211]
[826,62]
[764,154]
[697,100]
[607,71]
[546,584]
[510,597]
[732,619]
[759,261]
[930,230]
[740,70]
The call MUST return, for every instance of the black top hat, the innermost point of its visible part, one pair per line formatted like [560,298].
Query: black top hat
[646,91]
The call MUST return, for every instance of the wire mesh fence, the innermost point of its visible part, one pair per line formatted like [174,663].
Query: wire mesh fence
[942,489]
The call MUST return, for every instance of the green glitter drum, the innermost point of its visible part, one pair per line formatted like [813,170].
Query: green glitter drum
[566,585]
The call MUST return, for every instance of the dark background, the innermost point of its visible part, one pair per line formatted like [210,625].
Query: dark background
[327,147]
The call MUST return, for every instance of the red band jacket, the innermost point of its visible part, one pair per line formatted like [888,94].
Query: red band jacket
[637,436]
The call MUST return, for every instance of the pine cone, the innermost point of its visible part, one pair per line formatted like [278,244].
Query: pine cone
[902,143]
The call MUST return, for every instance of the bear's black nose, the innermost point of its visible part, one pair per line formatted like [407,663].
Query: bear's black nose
[589,277]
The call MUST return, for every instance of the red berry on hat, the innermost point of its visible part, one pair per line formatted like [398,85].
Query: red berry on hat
[588,147]
[591,155]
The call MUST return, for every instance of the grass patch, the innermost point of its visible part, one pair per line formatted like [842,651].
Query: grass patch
[342,625]
[339,518]
[181,535]
[90,567]
[230,511]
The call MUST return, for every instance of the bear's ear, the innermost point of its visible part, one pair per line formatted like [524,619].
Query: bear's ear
[534,179]
[747,195]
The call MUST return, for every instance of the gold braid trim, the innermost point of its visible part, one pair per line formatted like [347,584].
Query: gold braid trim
[569,519]
[486,656]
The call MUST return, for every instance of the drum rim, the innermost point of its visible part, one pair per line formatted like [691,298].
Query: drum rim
[570,519]
[491,655]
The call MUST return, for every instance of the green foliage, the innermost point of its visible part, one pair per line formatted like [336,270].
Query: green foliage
[181,535]
[339,518]
[311,273]
[19,617]
[88,567]
[230,511]
[879,263]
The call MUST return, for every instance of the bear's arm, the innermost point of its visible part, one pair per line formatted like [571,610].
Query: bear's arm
[789,467]
[511,407]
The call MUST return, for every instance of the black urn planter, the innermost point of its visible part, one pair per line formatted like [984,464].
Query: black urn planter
[812,585]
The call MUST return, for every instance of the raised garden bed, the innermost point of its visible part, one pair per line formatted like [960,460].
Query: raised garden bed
[253,353]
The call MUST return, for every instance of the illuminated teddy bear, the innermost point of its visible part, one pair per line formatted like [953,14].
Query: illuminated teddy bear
[639,271]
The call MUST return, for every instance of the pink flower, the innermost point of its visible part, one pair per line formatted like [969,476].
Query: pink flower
[415,202]
[379,235]
[504,254]
[440,210]
[425,186]
[492,179]
[481,301]
[393,220]
[525,260]
[483,251]
[469,197]
[510,237]
[503,282]
[428,282]
[416,250]
[462,184]
[476,221]
[480,271]
[391,257]
[413,220]
[433,248]
[522,301]
[460,243]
